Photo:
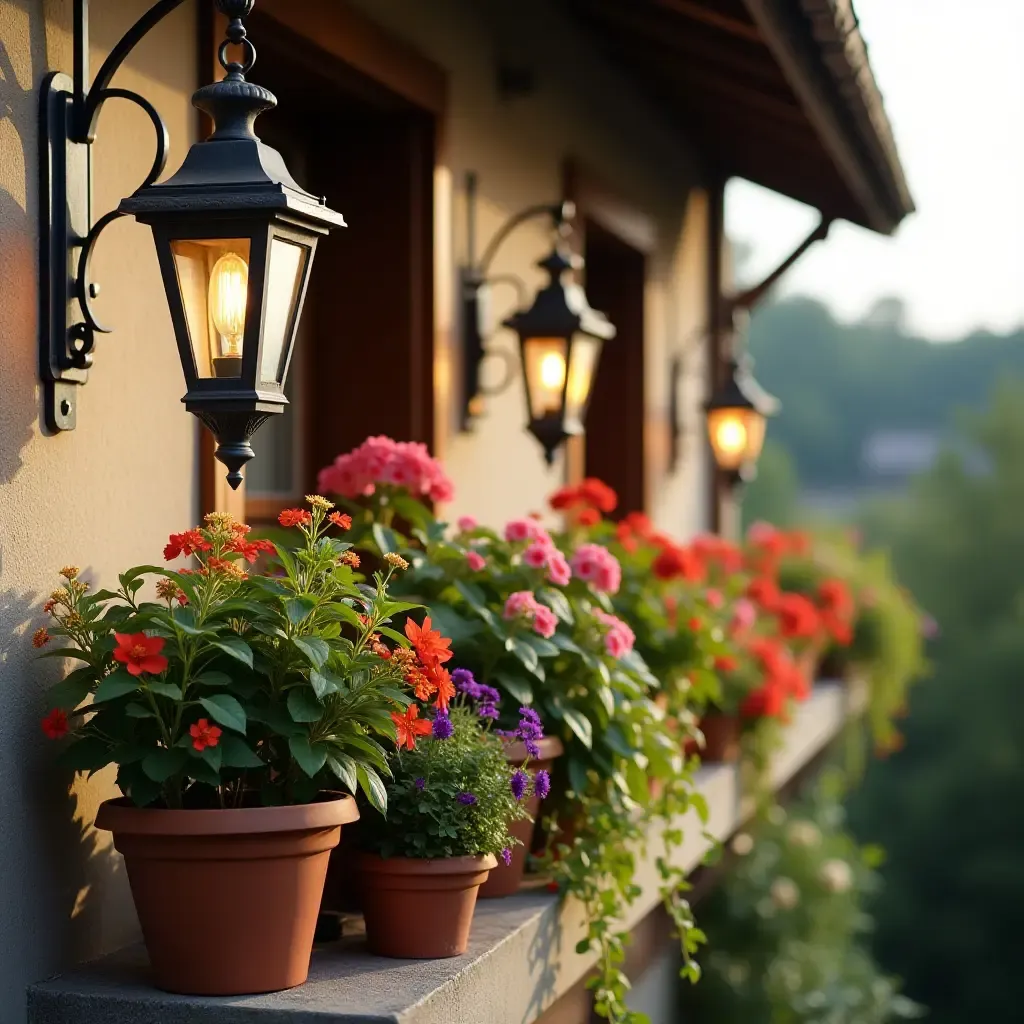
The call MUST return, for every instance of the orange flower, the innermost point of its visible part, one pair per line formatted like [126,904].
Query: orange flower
[295,517]
[204,735]
[140,653]
[409,726]
[55,724]
[442,684]
[341,520]
[40,638]
[428,642]
[422,685]
[185,544]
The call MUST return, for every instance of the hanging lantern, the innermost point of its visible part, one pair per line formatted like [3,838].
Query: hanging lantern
[737,419]
[235,236]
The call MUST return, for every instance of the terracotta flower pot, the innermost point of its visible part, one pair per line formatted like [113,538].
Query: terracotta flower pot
[721,738]
[227,899]
[420,909]
[503,881]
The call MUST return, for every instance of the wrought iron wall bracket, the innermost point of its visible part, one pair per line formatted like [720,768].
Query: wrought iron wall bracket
[68,112]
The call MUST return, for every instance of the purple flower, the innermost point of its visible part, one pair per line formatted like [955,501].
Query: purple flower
[468,799]
[506,856]
[443,727]
[489,695]
[520,782]
[541,784]
[487,711]
[465,683]
[420,784]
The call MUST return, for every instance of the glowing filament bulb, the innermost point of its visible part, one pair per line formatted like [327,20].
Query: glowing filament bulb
[552,371]
[731,437]
[229,289]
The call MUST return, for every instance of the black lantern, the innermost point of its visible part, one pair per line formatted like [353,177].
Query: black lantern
[235,236]
[737,419]
[560,336]
[560,339]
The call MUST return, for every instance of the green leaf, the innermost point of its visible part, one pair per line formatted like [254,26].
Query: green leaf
[345,768]
[212,756]
[134,710]
[171,690]
[298,608]
[578,775]
[580,725]
[370,783]
[558,603]
[225,710]
[309,758]
[65,652]
[450,623]
[393,634]
[72,689]
[544,648]
[236,648]
[385,539]
[214,679]
[526,654]
[160,764]
[88,754]
[117,684]
[201,770]
[303,705]
[324,682]
[315,649]
[516,687]
[287,560]
[185,620]
[236,753]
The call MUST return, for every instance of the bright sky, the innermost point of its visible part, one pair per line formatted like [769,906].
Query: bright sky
[952,75]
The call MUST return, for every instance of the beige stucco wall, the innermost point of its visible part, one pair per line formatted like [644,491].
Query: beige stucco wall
[582,109]
[104,496]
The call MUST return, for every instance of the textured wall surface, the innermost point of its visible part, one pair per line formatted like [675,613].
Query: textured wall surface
[582,109]
[104,496]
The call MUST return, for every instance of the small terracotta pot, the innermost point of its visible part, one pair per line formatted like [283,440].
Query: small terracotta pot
[503,881]
[721,738]
[227,899]
[420,909]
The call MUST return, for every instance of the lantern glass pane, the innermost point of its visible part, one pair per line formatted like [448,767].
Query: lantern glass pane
[213,279]
[583,357]
[286,270]
[544,362]
[736,435]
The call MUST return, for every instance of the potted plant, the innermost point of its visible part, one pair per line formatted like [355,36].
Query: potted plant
[234,706]
[451,800]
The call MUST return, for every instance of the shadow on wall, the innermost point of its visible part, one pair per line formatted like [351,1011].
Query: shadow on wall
[18,268]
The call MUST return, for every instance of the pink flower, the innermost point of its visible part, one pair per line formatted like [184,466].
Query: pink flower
[598,566]
[518,530]
[618,638]
[744,614]
[537,555]
[466,523]
[520,605]
[545,622]
[382,460]
[475,560]
[761,533]
[715,598]
[559,570]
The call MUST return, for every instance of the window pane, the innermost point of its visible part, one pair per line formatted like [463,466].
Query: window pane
[545,375]
[213,277]
[286,269]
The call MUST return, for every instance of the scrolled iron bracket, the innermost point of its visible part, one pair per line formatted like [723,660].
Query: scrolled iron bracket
[69,110]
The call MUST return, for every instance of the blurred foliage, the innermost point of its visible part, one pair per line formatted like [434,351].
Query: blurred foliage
[787,927]
[773,496]
[840,382]
[948,806]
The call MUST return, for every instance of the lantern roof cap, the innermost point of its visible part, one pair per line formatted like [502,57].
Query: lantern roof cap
[742,391]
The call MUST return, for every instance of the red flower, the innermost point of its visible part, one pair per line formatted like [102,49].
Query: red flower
[674,562]
[764,592]
[409,726]
[55,724]
[564,498]
[597,494]
[441,681]
[429,644]
[726,663]
[41,637]
[204,735]
[185,544]
[767,701]
[140,653]
[295,517]
[340,519]
[798,618]
[694,624]
[250,550]
[588,517]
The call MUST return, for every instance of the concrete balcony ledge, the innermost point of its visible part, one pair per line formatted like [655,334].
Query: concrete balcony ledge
[521,957]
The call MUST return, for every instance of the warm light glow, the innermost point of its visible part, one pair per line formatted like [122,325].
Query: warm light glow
[552,371]
[229,288]
[731,437]
[736,436]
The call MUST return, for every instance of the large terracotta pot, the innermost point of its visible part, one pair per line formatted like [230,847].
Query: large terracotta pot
[420,909]
[228,899]
[503,881]
[721,738]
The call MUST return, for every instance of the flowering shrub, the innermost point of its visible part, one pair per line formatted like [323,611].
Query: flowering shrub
[787,926]
[233,687]
[380,464]
[453,792]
